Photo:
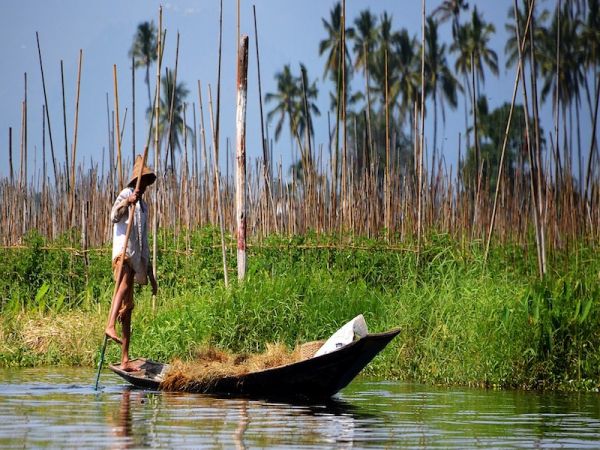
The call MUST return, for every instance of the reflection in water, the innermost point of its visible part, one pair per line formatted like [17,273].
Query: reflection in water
[243,422]
[133,422]
[58,408]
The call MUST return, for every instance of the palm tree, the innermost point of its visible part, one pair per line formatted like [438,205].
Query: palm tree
[474,39]
[450,9]
[387,39]
[408,78]
[143,50]
[438,77]
[471,45]
[510,49]
[172,119]
[332,46]
[308,107]
[564,81]
[287,99]
[590,42]
[365,39]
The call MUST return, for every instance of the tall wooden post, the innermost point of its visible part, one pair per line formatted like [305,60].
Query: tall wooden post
[240,179]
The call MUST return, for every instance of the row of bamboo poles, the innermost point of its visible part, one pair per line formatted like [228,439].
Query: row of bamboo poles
[349,190]
[187,199]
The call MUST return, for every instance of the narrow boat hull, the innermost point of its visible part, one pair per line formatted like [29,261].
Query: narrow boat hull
[318,377]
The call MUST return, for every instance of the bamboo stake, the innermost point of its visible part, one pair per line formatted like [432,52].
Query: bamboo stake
[218,188]
[62,80]
[25,130]
[204,152]
[172,113]
[75,127]
[216,129]
[387,196]
[10,155]
[240,192]
[156,109]
[132,108]
[47,112]
[422,138]
[266,162]
[593,142]
[344,169]
[119,160]
[506,132]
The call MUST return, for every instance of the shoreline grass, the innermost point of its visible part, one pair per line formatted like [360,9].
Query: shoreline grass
[461,323]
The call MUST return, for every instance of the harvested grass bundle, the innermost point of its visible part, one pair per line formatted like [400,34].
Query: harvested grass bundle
[212,364]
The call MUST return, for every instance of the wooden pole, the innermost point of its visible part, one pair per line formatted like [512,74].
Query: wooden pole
[172,113]
[387,181]
[240,191]
[266,161]
[111,162]
[344,169]
[10,155]
[156,109]
[119,159]
[47,112]
[25,129]
[204,152]
[218,189]
[506,133]
[62,79]
[218,119]
[422,137]
[75,127]
[132,108]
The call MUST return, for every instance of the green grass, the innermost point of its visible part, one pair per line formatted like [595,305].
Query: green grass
[461,323]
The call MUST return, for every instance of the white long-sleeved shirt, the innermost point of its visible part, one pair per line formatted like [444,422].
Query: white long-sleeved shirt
[138,252]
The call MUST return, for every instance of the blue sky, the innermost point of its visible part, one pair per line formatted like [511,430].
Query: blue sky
[289,32]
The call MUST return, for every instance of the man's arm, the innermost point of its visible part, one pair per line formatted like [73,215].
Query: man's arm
[127,197]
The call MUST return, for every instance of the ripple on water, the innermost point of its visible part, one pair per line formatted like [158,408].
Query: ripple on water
[59,408]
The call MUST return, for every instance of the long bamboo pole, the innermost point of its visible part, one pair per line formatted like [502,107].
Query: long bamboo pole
[62,80]
[132,108]
[47,112]
[506,133]
[75,127]
[266,162]
[218,189]
[10,155]
[119,158]
[387,181]
[156,110]
[170,142]
[422,135]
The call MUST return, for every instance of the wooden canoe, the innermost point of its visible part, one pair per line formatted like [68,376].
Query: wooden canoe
[318,377]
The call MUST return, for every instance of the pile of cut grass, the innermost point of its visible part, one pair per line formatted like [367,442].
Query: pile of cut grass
[212,364]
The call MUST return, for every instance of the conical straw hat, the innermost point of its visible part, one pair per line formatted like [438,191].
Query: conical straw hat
[146,172]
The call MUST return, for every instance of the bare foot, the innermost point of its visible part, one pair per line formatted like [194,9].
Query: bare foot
[129,366]
[112,334]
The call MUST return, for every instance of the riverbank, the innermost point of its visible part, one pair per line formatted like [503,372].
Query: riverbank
[461,323]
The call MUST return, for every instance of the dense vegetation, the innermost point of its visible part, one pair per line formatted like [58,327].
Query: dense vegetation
[461,323]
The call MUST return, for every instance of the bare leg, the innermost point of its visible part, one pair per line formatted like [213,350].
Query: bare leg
[125,285]
[126,326]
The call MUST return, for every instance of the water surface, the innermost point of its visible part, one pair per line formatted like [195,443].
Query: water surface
[58,407]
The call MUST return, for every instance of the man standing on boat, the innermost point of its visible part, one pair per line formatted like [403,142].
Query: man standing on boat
[136,266]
